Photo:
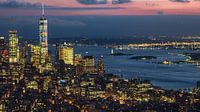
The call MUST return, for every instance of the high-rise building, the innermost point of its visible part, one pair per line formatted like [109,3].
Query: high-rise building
[2,49]
[2,43]
[24,52]
[35,55]
[43,33]
[77,59]
[13,47]
[88,61]
[66,53]
[15,71]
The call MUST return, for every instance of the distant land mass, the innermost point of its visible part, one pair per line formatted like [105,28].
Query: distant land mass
[114,41]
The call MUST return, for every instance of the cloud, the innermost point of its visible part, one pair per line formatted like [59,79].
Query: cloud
[94,2]
[152,4]
[87,2]
[16,4]
[120,1]
[85,8]
[22,4]
[181,1]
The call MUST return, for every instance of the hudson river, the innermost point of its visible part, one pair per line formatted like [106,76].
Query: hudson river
[172,76]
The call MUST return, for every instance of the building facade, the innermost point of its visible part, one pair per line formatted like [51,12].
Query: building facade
[43,34]
[35,55]
[13,47]
[66,53]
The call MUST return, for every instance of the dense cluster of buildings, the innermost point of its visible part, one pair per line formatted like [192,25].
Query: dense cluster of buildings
[31,81]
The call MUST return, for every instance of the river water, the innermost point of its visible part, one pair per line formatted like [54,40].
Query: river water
[173,76]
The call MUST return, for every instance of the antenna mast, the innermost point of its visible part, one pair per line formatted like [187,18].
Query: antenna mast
[43,9]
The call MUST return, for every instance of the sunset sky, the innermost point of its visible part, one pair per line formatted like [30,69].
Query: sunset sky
[70,18]
[73,7]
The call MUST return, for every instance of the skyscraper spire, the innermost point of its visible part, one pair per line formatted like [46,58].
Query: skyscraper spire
[43,9]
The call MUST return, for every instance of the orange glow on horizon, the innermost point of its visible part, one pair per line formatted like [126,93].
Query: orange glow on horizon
[137,7]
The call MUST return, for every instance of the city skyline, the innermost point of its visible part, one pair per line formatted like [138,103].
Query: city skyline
[83,83]
[92,62]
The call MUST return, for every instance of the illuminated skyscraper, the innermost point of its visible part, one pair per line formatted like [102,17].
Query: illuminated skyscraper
[77,59]
[88,61]
[35,55]
[2,49]
[13,47]
[66,53]
[43,33]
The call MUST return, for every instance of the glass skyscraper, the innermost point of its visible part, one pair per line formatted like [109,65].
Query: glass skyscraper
[13,47]
[43,33]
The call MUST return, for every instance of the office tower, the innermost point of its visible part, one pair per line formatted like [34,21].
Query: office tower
[43,34]
[14,56]
[2,43]
[25,52]
[3,58]
[29,72]
[15,71]
[4,77]
[88,61]
[13,47]
[2,49]
[77,59]
[35,55]
[66,53]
